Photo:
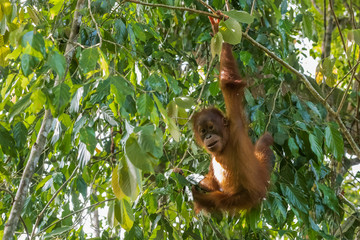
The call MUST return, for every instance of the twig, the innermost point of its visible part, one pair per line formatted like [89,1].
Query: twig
[251,13]
[312,90]
[273,107]
[174,8]
[227,5]
[96,25]
[50,201]
[207,6]
[345,94]
[338,83]
[73,213]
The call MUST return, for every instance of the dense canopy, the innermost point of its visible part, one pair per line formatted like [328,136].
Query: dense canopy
[95,115]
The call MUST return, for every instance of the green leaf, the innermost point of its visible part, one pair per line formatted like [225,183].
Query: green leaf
[20,106]
[173,129]
[137,155]
[120,32]
[316,146]
[127,179]
[88,59]
[245,57]
[231,31]
[61,98]
[145,105]
[7,142]
[28,64]
[216,44]
[334,141]
[87,136]
[102,91]
[240,16]
[20,134]
[329,198]
[295,197]
[151,140]
[120,88]
[58,63]
[185,102]
[293,147]
[139,32]
[156,82]
[308,25]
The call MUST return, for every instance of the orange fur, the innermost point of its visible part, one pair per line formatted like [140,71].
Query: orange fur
[243,170]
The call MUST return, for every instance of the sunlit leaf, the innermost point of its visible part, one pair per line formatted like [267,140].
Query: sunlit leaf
[240,16]
[216,44]
[231,31]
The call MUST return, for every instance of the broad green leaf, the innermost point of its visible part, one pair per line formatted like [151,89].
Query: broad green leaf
[185,102]
[245,57]
[156,82]
[20,134]
[354,35]
[139,32]
[81,186]
[127,176]
[124,214]
[231,31]
[88,59]
[108,115]
[307,25]
[28,64]
[173,84]
[151,140]
[58,63]
[216,44]
[43,181]
[115,184]
[20,106]
[120,88]
[334,141]
[295,197]
[87,136]
[7,142]
[329,197]
[144,105]
[57,231]
[137,155]
[61,98]
[293,147]
[240,16]
[103,64]
[102,91]
[214,88]
[173,129]
[38,99]
[316,146]
[121,32]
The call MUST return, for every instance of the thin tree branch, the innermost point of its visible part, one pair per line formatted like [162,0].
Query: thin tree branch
[96,25]
[251,13]
[312,90]
[50,201]
[338,83]
[207,6]
[73,213]
[273,107]
[174,8]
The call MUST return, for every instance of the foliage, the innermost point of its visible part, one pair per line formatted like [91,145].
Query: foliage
[121,118]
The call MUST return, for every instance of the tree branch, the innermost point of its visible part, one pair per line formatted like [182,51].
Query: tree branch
[174,8]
